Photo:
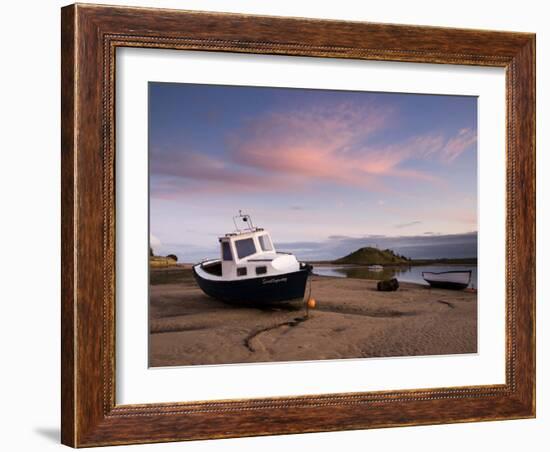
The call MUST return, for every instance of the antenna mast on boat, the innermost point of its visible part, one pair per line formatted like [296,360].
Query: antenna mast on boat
[246,219]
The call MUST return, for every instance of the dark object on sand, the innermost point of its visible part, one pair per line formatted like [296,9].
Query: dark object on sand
[454,280]
[388,285]
[172,256]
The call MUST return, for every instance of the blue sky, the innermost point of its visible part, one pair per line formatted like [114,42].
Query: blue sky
[309,165]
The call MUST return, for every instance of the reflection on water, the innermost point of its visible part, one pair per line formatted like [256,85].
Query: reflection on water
[402,273]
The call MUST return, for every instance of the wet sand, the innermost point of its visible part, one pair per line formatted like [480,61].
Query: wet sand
[352,320]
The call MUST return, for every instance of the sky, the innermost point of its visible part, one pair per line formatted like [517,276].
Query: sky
[325,171]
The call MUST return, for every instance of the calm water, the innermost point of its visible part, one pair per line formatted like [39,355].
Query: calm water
[405,274]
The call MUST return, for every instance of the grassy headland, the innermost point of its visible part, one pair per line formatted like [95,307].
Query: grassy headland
[372,256]
[161,261]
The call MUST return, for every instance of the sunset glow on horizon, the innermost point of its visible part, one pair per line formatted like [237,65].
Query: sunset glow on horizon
[309,165]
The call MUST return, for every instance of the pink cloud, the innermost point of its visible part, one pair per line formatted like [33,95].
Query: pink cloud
[185,172]
[335,145]
[295,149]
[456,145]
[317,144]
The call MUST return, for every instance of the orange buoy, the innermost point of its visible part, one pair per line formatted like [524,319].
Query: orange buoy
[311,303]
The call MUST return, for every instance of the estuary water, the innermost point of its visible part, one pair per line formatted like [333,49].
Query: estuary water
[411,274]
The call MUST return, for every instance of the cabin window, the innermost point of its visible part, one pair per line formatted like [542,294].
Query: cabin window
[226,252]
[241,271]
[265,243]
[261,270]
[245,247]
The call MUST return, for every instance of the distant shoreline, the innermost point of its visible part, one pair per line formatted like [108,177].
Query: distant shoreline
[412,263]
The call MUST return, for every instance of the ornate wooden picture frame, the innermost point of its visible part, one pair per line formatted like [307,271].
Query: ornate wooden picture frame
[90,37]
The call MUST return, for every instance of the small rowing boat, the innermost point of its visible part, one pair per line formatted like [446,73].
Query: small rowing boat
[454,280]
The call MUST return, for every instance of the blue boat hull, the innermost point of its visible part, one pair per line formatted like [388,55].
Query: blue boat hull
[268,290]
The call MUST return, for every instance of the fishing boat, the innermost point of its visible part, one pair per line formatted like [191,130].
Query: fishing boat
[375,268]
[250,270]
[455,280]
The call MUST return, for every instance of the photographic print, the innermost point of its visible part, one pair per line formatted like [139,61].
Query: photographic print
[291,224]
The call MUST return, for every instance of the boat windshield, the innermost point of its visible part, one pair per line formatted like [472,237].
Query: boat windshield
[265,243]
[245,247]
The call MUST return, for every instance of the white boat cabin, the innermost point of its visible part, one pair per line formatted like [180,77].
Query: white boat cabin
[251,254]
[245,254]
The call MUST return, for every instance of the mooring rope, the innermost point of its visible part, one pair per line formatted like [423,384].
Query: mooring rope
[309,282]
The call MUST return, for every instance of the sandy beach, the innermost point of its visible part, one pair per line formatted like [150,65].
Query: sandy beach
[352,320]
